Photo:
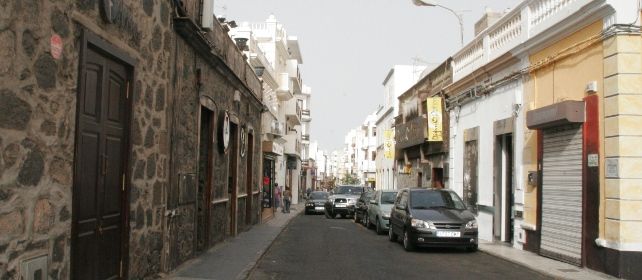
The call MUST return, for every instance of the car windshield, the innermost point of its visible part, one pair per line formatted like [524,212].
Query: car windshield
[388,197]
[318,195]
[349,190]
[436,199]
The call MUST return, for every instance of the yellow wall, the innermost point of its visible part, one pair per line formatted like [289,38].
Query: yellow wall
[564,78]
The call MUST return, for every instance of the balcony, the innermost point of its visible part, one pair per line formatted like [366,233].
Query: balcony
[305,115]
[277,129]
[292,144]
[294,71]
[272,147]
[284,92]
[411,133]
[293,112]
[529,20]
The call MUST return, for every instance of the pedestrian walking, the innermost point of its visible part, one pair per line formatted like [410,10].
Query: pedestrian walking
[277,196]
[287,199]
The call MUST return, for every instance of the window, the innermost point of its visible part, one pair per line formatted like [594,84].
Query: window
[374,155]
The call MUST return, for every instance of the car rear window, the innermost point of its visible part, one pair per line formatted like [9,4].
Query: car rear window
[319,195]
[388,197]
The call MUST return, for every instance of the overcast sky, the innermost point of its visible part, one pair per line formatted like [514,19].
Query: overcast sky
[348,47]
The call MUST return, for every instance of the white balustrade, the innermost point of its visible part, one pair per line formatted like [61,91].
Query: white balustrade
[529,19]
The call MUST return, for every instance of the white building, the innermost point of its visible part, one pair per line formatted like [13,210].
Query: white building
[399,79]
[277,59]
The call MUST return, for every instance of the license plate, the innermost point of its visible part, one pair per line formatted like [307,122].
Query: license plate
[340,205]
[448,234]
[318,208]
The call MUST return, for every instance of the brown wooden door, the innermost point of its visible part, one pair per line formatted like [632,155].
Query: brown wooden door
[99,177]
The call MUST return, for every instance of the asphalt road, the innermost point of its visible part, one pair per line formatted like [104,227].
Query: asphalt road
[313,247]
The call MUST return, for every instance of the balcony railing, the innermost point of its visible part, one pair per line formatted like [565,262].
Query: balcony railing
[293,111]
[411,133]
[305,137]
[305,115]
[277,129]
[526,21]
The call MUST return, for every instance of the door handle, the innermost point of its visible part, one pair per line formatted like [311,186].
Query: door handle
[104,164]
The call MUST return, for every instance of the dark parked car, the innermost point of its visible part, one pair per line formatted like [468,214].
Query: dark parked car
[315,201]
[432,217]
[341,198]
[361,207]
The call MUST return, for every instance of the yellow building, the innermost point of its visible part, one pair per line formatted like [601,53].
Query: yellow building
[583,95]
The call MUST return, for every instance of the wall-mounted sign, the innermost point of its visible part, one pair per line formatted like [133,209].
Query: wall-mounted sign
[434,118]
[612,170]
[224,131]
[56,46]
[243,142]
[593,160]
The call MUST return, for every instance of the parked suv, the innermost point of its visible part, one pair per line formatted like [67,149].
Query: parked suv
[341,198]
[378,214]
[432,217]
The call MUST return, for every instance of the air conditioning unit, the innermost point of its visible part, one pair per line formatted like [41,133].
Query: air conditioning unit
[207,19]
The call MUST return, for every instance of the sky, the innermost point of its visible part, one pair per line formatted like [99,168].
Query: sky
[349,46]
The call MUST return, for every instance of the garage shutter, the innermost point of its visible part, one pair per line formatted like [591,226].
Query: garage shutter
[562,194]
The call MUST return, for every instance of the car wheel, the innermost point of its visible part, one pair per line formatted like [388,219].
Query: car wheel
[378,228]
[407,243]
[356,217]
[472,248]
[392,237]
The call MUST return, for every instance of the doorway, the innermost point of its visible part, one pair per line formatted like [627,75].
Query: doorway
[249,178]
[503,221]
[204,178]
[99,211]
[438,178]
[420,175]
[232,179]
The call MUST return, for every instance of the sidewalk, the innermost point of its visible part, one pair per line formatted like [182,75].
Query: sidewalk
[546,266]
[234,258]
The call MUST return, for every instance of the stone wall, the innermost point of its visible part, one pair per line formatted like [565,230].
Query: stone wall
[37,126]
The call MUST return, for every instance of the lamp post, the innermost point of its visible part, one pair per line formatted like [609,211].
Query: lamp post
[430,3]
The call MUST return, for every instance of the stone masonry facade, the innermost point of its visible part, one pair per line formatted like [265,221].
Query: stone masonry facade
[38,95]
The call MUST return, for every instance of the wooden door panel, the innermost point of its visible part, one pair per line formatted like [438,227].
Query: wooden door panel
[91,100]
[100,165]
[116,89]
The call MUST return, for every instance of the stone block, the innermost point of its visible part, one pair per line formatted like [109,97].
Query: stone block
[622,44]
[612,230]
[44,216]
[630,167]
[628,146]
[623,84]
[32,169]
[7,51]
[622,104]
[623,125]
[623,63]
[15,113]
[11,224]
[612,209]
[45,70]
[61,171]
[10,154]
[631,232]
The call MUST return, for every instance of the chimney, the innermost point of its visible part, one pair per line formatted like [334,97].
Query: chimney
[488,19]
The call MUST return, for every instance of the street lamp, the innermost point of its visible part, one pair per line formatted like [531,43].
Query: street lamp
[430,3]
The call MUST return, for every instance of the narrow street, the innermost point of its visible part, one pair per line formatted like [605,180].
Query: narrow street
[313,247]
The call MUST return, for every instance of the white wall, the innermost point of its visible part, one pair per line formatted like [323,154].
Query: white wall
[482,113]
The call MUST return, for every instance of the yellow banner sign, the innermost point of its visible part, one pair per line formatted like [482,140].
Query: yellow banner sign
[388,143]
[434,119]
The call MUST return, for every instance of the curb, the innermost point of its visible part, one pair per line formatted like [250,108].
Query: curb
[540,271]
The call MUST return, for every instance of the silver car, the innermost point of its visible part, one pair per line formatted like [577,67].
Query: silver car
[379,210]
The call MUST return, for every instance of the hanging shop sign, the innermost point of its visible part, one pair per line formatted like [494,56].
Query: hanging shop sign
[434,119]
[389,143]
[224,131]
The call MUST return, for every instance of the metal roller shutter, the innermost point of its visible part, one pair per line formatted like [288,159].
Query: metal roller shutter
[562,194]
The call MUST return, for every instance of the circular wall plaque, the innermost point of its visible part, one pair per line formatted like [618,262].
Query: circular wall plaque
[243,142]
[224,131]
